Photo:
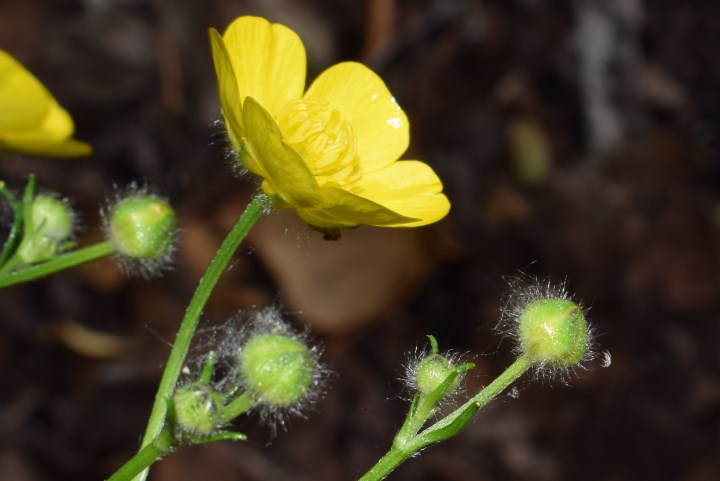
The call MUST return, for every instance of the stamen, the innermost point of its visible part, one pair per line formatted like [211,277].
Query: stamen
[323,138]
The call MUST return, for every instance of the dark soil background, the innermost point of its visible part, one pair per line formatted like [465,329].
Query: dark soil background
[578,141]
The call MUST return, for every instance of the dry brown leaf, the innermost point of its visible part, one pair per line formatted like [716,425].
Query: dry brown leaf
[341,286]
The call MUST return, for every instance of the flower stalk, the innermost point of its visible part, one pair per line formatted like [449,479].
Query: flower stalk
[408,441]
[160,446]
[178,353]
[58,263]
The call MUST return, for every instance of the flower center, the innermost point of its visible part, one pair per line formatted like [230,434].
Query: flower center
[324,140]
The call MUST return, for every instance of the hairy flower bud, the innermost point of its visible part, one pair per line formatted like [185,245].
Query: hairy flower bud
[197,409]
[50,224]
[142,227]
[277,369]
[432,371]
[553,332]
[549,328]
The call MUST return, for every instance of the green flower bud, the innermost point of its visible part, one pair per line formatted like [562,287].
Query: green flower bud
[553,333]
[197,410]
[49,225]
[277,369]
[432,371]
[51,217]
[142,227]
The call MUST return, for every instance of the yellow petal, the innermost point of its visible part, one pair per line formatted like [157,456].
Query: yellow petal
[50,137]
[285,171]
[340,208]
[24,101]
[410,188]
[268,61]
[64,149]
[31,120]
[228,89]
[363,99]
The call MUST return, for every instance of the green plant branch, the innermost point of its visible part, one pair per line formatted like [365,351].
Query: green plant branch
[236,407]
[406,444]
[160,446]
[180,347]
[14,235]
[61,262]
[448,426]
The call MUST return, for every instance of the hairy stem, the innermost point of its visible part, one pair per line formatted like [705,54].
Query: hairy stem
[161,445]
[405,447]
[61,262]
[180,347]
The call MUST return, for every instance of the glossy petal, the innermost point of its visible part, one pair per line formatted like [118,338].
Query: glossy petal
[356,125]
[228,90]
[268,61]
[340,208]
[284,170]
[410,188]
[363,99]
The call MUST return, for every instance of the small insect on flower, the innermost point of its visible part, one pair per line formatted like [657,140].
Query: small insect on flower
[330,152]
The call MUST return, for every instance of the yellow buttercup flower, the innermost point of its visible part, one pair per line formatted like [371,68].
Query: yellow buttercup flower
[330,152]
[31,120]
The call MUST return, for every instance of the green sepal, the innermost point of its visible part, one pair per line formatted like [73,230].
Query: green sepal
[409,426]
[223,436]
[434,348]
[28,196]
[447,427]
[447,386]
[13,238]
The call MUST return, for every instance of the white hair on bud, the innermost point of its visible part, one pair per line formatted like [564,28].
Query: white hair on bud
[523,292]
[233,335]
[145,268]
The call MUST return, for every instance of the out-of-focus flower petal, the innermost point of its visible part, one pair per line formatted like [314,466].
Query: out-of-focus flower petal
[31,120]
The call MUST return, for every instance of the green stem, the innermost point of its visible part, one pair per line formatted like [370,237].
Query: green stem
[58,263]
[402,449]
[161,445]
[386,464]
[424,408]
[236,407]
[436,433]
[514,371]
[14,234]
[180,347]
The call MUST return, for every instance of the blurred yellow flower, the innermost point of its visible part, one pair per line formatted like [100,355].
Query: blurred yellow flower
[330,152]
[31,120]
